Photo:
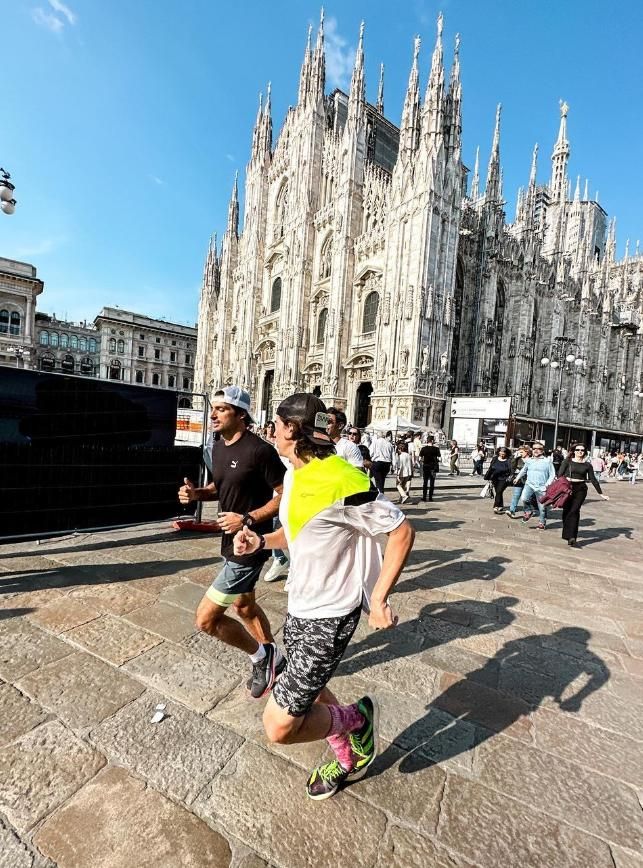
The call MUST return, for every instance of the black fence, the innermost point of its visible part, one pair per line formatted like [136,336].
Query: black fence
[78,453]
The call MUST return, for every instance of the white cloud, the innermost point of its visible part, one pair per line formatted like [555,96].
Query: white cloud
[230,157]
[63,10]
[157,180]
[340,56]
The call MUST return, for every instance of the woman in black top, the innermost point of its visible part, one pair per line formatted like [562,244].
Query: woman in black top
[500,475]
[578,470]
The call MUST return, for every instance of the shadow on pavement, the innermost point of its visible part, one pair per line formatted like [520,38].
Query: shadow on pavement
[460,571]
[5,614]
[596,536]
[49,547]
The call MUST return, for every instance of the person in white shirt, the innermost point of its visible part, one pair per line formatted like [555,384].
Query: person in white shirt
[404,472]
[346,449]
[382,455]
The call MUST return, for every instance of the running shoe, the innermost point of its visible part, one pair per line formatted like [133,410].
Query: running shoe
[277,571]
[263,673]
[540,526]
[257,677]
[324,781]
[526,516]
[364,740]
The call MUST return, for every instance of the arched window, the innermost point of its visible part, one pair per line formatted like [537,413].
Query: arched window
[67,363]
[321,325]
[275,295]
[112,345]
[326,258]
[371,304]
[47,362]
[14,328]
[86,366]
[114,370]
[53,339]
[121,345]
[44,339]
[155,379]
[82,345]
[64,341]
[73,342]
[4,321]
[281,208]
[139,376]
[92,345]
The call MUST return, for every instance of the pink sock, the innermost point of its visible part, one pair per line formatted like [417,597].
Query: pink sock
[341,747]
[344,719]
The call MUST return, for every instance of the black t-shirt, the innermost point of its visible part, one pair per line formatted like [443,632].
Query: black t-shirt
[430,456]
[245,475]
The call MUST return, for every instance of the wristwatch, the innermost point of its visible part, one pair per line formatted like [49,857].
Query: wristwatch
[247,520]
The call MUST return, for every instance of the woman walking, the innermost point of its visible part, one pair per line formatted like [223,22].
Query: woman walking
[454,459]
[478,459]
[578,471]
[517,463]
[500,475]
[404,472]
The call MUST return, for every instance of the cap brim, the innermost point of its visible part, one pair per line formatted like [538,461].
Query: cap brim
[319,439]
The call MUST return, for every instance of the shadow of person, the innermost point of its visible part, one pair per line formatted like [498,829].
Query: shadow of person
[463,571]
[436,624]
[595,536]
[526,672]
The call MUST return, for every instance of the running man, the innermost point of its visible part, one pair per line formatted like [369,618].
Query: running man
[247,477]
[331,517]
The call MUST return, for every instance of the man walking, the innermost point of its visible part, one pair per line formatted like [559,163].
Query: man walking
[331,517]
[382,454]
[539,472]
[430,457]
[346,449]
[247,477]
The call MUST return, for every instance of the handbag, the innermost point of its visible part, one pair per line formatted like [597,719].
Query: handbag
[487,490]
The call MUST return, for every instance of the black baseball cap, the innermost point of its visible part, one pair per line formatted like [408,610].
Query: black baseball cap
[310,412]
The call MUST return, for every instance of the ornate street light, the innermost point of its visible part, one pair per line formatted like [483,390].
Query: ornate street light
[7,202]
[563,355]
[19,353]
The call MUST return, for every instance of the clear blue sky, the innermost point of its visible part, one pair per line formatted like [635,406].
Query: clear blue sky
[124,121]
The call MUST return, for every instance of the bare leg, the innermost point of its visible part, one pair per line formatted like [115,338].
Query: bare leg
[283,728]
[254,618]
[211,619]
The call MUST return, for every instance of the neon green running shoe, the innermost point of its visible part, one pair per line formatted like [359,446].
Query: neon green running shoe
[325,780]
[364,740]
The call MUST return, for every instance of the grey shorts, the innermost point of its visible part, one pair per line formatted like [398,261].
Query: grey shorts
[232,581]
[314,647]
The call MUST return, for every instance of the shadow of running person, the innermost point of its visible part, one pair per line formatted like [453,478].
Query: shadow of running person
[437,624]
[597,536]
[463,571]
[467,712]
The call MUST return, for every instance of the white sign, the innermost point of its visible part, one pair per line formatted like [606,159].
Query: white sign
[465,431]
[480,408]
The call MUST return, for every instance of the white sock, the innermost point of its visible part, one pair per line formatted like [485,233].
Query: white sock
[259,654]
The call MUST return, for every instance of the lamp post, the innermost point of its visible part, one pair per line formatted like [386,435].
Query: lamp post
[7,202]
[19,353]
[563,354]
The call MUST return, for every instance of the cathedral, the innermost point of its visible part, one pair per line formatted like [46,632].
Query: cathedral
[371,272]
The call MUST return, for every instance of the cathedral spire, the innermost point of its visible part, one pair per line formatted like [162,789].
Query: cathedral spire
[357,93]
[586,191]
[264,144]
[410,125]
[232,228]
[380,91]
[560,157]
[492,189]
[433,99]
[318,64]
[304,76]
[534,167]
[475,181]
[577,190]
[454,101]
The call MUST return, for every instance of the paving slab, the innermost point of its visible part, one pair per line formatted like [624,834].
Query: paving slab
[63,614]
[41,771]
[17,853]
[403,848]
[113,639]
[18,715]
[95,829]
[81,690]
[116,598]
[169,622]
[255,778]
[178,756]
[24,647]
[186,595]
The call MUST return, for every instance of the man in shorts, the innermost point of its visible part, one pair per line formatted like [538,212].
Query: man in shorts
[331,517]
[247,477]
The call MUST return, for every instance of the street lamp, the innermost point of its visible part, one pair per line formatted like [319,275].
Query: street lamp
[7,202]
[19,353]
[563,354]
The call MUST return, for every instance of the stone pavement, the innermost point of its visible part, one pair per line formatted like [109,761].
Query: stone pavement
[511,705]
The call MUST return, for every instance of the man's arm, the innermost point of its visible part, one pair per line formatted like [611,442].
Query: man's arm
[188,492]
[400,543]
[246,541]
[231,522]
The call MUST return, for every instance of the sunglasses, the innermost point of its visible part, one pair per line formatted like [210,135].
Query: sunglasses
[353,433]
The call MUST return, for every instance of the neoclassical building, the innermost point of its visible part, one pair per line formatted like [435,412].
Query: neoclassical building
[369,271]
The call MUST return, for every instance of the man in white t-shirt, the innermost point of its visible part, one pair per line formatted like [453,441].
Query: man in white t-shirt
[331,517]
[346,449]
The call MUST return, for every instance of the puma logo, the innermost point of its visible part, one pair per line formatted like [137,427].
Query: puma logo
[233,464]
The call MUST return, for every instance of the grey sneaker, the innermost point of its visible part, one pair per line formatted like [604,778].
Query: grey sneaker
[258,674]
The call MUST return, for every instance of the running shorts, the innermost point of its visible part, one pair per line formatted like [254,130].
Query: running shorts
[314,647]
[232,581]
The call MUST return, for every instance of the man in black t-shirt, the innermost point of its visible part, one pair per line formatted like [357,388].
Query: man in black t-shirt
[430,457]
[246,473]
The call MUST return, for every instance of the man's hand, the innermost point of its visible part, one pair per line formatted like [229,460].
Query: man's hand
[245,542]
[230,522]
[187,492]
[381,616]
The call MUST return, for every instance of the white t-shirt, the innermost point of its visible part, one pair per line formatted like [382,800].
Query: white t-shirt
[404,464]
[335,559]
[349,451]
[382,450]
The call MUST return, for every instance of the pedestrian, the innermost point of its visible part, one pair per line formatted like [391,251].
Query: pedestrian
[538,472]
[598,466]
[613,463]
[430,456]
[454,458]
[382,454]
[478,456]
[331,518]
[500,475]
[633,468]
[344,448]
[246,471]
[576,468]
[404,472]
[557,457]
[517,463]
[417,446]
[355,436]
